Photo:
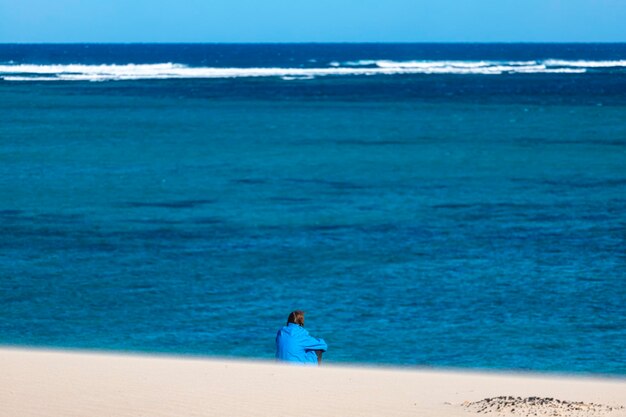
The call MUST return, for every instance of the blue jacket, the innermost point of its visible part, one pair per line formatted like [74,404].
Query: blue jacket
[294,344]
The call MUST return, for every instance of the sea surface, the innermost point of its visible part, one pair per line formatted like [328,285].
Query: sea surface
[432,205]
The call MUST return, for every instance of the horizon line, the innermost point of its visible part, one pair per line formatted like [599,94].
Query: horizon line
[320,43]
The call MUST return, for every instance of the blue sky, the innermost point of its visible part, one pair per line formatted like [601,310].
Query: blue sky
[312,20]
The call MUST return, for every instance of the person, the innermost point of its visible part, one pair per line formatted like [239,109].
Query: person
[294,344]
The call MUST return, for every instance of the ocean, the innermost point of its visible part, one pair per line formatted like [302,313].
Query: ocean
[430,205]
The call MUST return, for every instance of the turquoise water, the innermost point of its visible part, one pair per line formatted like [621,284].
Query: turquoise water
[421,219]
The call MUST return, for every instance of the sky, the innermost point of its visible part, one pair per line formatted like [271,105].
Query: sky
[312,21]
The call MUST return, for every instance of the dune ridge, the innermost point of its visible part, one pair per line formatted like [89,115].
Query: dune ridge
[37,383]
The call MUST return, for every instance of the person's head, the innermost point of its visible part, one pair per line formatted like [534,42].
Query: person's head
[296,317]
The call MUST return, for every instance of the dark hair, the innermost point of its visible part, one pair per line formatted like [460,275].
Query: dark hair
[296,317]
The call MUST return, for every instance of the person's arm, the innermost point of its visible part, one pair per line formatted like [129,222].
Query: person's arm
[314,343]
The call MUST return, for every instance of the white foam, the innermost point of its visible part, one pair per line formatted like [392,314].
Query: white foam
[432,64]
[585,64]
[14,78]
[291,78]
[360,63]
[80,72]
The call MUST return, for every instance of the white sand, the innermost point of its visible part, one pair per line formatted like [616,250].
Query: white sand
[55,383]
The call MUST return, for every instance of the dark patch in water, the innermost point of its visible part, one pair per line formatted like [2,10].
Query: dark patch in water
[326,227]
[586,183]
[545,217]
[167,222]
[176,204]
[343,185]
[250,181]
[290,199]
[58,218]
[154,221]
[161,235]
[206,220]
[141,287]
[547,141]
[452,206]
[376,142]
[10,213]
[487,206]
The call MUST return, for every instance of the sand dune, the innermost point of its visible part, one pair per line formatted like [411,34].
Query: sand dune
[59,383]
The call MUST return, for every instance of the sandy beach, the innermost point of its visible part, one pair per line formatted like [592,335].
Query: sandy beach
[69,383]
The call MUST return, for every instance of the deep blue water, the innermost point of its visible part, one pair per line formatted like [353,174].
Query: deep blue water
[467,208]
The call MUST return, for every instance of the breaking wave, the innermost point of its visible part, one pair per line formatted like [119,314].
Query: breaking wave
[78,72]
